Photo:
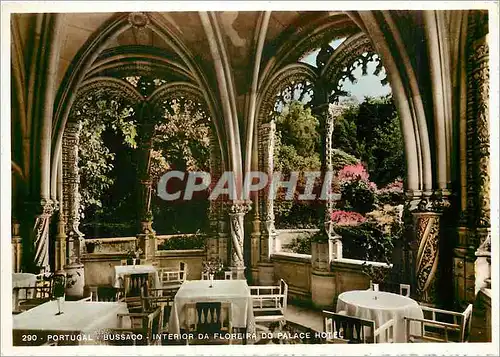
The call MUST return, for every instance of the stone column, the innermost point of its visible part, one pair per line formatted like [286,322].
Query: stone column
[480,79]
[146,238]
[71,195]
[17,251]
[61,257]
[475,222]
[237,212]
[425,248]
[267,244]
[335,240]
[75,243]
[215,211]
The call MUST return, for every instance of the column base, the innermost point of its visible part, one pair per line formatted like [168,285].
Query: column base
[238,272]
[75,277]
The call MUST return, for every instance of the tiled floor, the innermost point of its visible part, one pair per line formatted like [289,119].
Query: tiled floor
[304,316]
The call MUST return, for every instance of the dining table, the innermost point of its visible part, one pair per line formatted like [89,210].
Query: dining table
[236,292]
[381,306]
[80,323]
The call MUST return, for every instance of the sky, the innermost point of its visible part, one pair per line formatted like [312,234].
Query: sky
[368,85]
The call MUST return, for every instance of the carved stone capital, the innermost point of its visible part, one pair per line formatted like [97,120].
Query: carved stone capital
[239,207]
[138,19]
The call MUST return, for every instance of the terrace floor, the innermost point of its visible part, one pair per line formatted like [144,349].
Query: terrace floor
[304,316]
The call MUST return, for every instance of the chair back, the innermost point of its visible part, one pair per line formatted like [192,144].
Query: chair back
[353,329]
[168,276]
[134,283]
[208,317]
[466,324]
[284,293]
[404,289]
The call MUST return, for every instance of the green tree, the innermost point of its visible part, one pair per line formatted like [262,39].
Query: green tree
[97,116]
[371,131]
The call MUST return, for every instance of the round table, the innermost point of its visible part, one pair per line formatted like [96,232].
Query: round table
[380,307]
[22,280]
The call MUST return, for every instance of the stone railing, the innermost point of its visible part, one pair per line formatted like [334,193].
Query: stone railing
[320,287]
[110,245]
[122,244]
[295,269]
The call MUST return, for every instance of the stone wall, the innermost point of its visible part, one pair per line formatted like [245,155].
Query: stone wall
[295,269]
[99,267]
[319,288]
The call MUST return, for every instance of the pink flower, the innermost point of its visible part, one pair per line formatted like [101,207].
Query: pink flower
[344,218]
[352,173]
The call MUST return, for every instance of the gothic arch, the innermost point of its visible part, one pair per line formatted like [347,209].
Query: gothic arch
[98,85]
[138,60]
[88,54]
[283,78]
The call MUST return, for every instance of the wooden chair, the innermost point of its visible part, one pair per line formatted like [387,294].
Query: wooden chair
[440,325]
[146,324]
[46,288]
[396,288]
[269,304]
[228,275]
[106,293]
[347,329]
[209,318]
[154,300]
[171,278]
[136,286]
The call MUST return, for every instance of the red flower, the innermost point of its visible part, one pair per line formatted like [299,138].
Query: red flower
[344,218]
[352,173]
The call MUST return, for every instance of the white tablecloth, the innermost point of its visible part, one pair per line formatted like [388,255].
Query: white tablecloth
[380,307]
[22,280]
[234,291]
[86,318]
[122,270]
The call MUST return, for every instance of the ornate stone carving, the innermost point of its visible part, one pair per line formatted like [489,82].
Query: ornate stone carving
[426,258]
[44,211]
[267,135]
[71,195]
[138,20]
[480,75]
[287,78]
[237,210]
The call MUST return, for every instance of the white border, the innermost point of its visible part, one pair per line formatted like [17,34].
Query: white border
[347,350]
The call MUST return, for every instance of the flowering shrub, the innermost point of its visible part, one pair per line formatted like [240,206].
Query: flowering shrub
[343,218]
[358,196]
[386,218]
[393,193]
[353,173]
[365,242]
[358,193]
